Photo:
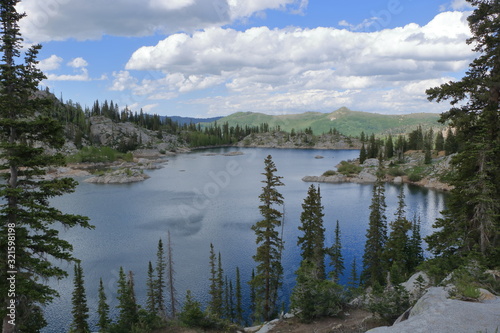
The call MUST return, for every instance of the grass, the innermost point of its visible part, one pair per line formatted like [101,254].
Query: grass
[98,155]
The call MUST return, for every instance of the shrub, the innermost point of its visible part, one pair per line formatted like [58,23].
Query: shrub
[329,173]
[396,172]
[347,168]
[389,304]
[98,155]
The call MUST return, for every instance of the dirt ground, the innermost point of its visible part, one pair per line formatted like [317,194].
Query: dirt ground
[354,321]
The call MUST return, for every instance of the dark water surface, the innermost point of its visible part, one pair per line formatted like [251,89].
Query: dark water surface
[204,198]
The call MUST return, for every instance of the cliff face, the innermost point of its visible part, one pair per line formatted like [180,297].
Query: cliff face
[105,132]
[280,139]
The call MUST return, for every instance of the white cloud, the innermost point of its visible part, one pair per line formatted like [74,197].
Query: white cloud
[78,63]
[91,19]
[308,69]
[51,63]
[83,76]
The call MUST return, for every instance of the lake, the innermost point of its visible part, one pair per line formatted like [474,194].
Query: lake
[206,197]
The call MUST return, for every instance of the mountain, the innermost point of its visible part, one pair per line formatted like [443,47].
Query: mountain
[346,121]
[189,120]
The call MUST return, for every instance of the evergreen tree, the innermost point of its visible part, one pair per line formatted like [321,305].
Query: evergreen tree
[269,271]
[389,147]
[336,258]
[103,310]
[80,309]
[353,282]
[160,280]
[151,291]
[126,303]
[397,247]
[439,143]
[313,239]
[373,267]
[25,127]
[471,222]
[415,253]
[362,154]
[215,303]
[239,305]
[253,296]
[191,314]
[171,277]
[313,295]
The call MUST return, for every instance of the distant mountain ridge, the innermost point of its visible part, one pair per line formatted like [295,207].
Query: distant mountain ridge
[188,120]
[346,121]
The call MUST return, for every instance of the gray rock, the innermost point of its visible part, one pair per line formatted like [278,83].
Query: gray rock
[435,312]
[365,177]
[371,162]
[398,180]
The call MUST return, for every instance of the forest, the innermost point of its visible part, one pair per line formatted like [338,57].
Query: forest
[465,242]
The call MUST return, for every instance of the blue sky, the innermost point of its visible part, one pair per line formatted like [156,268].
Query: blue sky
[206,58]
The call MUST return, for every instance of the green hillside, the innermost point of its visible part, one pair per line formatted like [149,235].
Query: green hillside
[344,120]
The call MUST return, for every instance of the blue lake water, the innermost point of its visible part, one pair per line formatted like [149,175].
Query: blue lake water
[203,198]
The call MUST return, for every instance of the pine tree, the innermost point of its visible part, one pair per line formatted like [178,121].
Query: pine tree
[239,305]
[103,310]
[215,303]
[313,239]
[471,222]
[415,253]
[160,280]
[313,296]
[389,147]
[373,266]
[126,302]
[171,277]
[253,296]
[396,253]
[362,154]
[151,291]
[353,282]
[336,258]
[439,143]
[26,127]
[80,309]
[269,270]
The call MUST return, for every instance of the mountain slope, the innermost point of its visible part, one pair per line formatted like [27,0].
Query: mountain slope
[344,120]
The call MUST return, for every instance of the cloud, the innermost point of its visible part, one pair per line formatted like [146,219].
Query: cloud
[307,69]
[78,63]
[83,76]
[91,19]
[456,5]
[51,63]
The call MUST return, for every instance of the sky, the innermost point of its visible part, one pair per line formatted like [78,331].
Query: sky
[207,58]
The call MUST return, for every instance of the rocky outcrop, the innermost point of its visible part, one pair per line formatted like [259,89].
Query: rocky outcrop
[279,139]
[436,312]
[430,176]
[129,136]
[120,176]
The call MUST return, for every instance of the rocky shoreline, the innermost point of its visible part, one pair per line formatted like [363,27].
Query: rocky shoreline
[431,178]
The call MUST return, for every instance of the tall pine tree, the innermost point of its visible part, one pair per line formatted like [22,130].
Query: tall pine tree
[269,270]
[25,210]
[336,258]
[80,309]
[160,280]
[397,249]
[471,222]
[103,310]
[313,239]
[376,236]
